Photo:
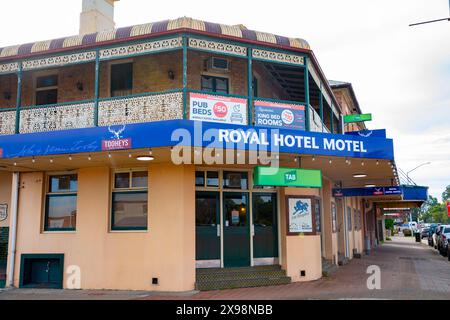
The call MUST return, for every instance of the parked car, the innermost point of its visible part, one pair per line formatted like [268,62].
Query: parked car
[436,234]
[443,239]
[431,232]
[424,232]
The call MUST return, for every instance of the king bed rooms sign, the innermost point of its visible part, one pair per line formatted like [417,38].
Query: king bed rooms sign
[279,115]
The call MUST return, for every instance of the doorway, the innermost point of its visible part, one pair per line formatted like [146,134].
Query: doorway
[236,230]
[236,223]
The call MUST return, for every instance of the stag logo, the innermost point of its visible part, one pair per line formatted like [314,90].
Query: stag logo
[117,133]
[118,142]
[365,135]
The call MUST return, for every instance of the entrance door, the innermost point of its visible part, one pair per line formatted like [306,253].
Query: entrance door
[207,219]
[236,230]
[265,241]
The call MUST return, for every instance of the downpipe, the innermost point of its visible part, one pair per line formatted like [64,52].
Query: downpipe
[13,236]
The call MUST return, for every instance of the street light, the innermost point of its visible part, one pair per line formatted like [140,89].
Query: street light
[407,178]
[423,164]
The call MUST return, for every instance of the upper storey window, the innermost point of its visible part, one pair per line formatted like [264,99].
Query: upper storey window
[121,79]
[47,89]
[215,84]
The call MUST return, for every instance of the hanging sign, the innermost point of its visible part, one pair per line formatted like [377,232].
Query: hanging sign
[300,216]
[287,177]
[358,118]
[218,109]
[279,115]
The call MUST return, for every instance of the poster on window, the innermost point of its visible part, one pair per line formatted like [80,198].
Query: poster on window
[279,115]
[300,216]
[209,108]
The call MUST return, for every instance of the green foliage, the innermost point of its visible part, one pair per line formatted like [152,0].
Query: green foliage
[407,232]
[389,223]
[446,194]
[435,212]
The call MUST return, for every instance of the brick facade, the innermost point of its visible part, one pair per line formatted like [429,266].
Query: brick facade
[150,74]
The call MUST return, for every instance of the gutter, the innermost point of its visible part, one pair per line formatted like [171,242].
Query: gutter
[13,227]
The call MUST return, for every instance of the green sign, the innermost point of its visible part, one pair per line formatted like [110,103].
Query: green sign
[287,177]
[358,118]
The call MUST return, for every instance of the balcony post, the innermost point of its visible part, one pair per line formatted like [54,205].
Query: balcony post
[250,85]
[321,106]
[307,124]
[332,118]
[97,86]
[19,97]
[185,75]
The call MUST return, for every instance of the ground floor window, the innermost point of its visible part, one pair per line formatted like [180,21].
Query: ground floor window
[61,203]
[130,201]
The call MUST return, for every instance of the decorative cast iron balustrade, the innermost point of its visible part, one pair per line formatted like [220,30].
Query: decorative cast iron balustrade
[59,117]
[148,108]
[7,122]
[315,123]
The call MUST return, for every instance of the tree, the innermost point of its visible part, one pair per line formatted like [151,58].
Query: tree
[446,194]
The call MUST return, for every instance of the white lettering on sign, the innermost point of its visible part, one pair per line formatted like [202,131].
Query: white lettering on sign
[291,141]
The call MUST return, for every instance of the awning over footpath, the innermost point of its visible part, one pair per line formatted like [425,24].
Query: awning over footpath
[197,134]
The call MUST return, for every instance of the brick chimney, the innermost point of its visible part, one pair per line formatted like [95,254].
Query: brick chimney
[97,16]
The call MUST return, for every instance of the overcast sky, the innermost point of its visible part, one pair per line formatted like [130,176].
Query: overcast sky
[400,74]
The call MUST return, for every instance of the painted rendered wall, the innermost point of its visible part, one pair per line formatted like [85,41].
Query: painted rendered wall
[119,260]
[299,252]
[331,238]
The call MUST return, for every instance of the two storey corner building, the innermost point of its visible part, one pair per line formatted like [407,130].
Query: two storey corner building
[182,154]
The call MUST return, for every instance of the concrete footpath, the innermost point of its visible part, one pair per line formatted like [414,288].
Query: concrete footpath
[409,270]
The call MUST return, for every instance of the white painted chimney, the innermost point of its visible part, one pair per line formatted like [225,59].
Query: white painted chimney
[97,16]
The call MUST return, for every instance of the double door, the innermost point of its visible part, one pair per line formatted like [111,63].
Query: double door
[230,229]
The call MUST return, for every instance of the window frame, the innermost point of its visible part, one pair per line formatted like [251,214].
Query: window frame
[214,77]
[111,64]
[48,194]
[43,74]
[129,190]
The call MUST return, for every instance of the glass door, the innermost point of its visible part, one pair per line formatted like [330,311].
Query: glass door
[207,219]
[236,230]
[265,241]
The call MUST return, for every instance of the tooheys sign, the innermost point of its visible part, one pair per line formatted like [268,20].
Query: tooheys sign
[218,109]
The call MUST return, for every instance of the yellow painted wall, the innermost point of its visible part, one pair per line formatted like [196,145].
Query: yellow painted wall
[299,252]
[119,260]
[331,238]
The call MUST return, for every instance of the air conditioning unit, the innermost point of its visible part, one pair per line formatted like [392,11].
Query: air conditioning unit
[219,64]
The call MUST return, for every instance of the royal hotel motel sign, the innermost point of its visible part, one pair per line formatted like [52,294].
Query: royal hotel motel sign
[195,134]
